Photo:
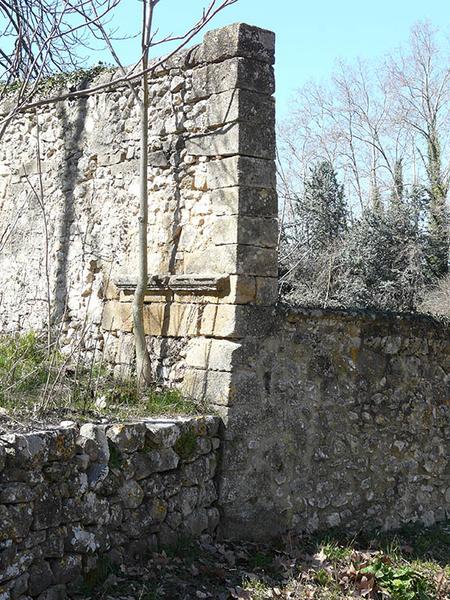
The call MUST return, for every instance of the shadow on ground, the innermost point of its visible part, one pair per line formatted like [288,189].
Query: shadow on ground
[412,563]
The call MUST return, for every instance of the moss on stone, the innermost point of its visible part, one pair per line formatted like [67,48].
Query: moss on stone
[186,445]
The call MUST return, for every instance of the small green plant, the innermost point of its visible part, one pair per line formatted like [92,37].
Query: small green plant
[323,577]
[258,589]
[399,582]
[122,392]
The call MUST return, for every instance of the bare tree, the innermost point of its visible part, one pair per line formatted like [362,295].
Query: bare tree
[421,80]
[384,128]
[370,117]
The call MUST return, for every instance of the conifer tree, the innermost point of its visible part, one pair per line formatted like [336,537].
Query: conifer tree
[324,207]
[398,185]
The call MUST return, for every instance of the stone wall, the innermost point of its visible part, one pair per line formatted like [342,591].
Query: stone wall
[212,206]
[341,419]
[330,418]
[75,498]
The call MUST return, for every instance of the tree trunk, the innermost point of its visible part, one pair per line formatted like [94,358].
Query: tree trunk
[143,364]
[438,215]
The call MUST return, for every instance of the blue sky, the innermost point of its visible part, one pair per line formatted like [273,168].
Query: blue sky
[311,35]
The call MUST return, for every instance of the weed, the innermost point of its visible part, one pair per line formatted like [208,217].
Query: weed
[399,582]
[122,392]
[323,577]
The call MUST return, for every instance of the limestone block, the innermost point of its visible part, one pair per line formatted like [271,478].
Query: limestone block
[117,316]
[238,39]
[236,138]
[211,386]
[162,434]
[111,291]
[158,159]
[254,260]
[240,105]
[241,170]
[234,73]
[237,259]
[182,319]
[171,319]
[219,320]
[220,259]
[131,494]
[127,437]
[244,201]
[246,230]
[204,353]
[240,289]
[236,321]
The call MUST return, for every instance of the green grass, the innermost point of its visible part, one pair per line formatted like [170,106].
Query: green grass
[170,402]
[24,366]
[32,380]
[401,565]
[335,551]
[259,589]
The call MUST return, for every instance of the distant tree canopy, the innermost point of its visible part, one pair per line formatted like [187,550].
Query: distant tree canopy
[365,179]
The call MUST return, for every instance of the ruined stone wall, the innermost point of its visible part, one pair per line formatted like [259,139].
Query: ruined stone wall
[330,418]
[212,205]
[342,419]
[74,496]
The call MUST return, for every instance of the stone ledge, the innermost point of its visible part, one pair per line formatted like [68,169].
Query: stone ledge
[176,283]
